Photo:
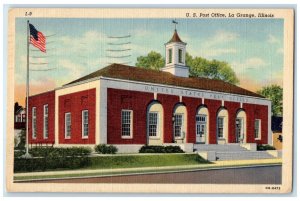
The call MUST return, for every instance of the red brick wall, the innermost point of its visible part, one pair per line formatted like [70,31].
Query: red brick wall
[168,102]
[131,100]
[213,107]
[261,112]
[75,103]
[256,112]
[192,105]
[232,109]
[249,110]
[39,101]
[138,102]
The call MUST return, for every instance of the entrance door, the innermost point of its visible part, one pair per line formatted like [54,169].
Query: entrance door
[239,130]
[200,129]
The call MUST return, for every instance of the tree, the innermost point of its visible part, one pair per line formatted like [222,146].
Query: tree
[214,69]
[274,93]
[153,60]
[199,67]
[22,140]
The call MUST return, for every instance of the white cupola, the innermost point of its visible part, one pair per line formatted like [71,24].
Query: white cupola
[175,57]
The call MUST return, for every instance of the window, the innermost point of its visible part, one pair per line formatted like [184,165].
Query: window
[85,123]
[220,127]
[126,123]
[23,118]
[45,121]
[68,125]
[257,128]
[180,56]
[178,122]
[170,55]
[239,124]
[18,118]
[200,125]
[153,124]
[34,122]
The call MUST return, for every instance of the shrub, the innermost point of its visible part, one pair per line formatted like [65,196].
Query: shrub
[160,149]
[70,151]
[173,149]
[18,153]
[22,136]
[50,163]
[50,158]
[265,147]
[106,149]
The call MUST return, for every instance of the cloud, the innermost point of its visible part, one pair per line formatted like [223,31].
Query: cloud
[211,53]
[272,39]
[216,45]
[220,37]
[254,62]
[250,63]
[74,70]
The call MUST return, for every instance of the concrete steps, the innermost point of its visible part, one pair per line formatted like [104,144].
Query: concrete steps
[242,155]
[223,152]
[219,147]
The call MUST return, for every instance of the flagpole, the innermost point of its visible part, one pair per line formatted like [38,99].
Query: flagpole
[27,155]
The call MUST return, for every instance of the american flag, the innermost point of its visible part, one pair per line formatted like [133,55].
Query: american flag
[37,38]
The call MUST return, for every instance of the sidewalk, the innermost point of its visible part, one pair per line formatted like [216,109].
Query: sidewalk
[142,170]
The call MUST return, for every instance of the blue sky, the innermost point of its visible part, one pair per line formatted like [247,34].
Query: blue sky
[253,47]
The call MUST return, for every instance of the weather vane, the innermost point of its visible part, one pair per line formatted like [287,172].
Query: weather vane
[175,22]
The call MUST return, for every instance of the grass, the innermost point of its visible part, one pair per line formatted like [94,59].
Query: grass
[154,160]
[139,171]
[128,161]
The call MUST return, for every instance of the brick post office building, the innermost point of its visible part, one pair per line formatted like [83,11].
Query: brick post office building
[129,107]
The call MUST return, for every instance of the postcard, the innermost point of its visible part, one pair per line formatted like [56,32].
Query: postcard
[150,100]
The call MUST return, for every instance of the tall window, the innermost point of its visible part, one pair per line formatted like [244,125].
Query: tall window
[34,122]
[45,121]
[178,122]
[200,125]
[126,123]
[257,128]
[85,123]
[153,124]
[68,125]
[170,55]
[220,127]
[180,56]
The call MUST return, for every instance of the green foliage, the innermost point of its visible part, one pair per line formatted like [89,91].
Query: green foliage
[265,147]
[213,69]
[53,162]
[173,149]
[53,159]
[199,67]
[57,151]
[106,149]
[153,61]
[18,153]
[21,145]
[160,149]
[274,93]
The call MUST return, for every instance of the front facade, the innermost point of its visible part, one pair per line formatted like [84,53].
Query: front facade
[130,107]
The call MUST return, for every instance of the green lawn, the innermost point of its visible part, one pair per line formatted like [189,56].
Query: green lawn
[155,160]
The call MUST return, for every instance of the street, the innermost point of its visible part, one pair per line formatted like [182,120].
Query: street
[248,175]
